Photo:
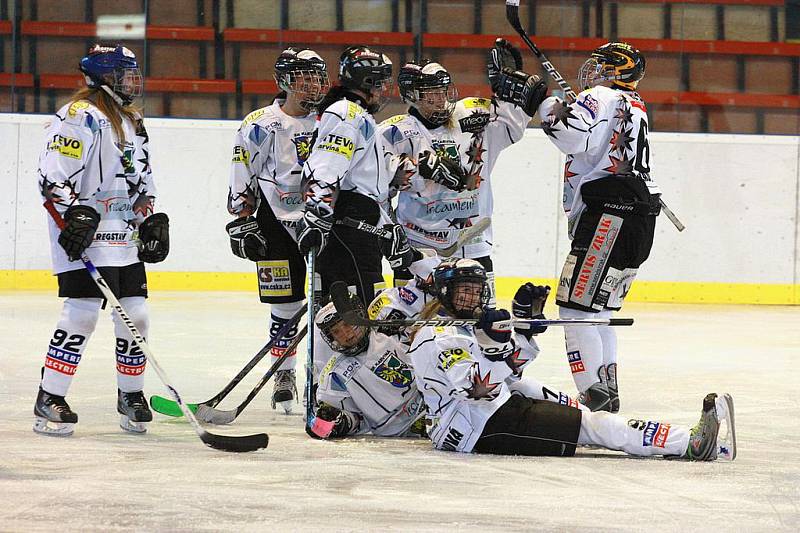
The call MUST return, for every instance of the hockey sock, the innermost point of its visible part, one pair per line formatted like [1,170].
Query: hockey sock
[130,359]
[635,437]
[608,336]
[584,349]
[76,325]
[279,316]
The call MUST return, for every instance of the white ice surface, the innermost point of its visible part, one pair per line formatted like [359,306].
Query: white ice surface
[102,479]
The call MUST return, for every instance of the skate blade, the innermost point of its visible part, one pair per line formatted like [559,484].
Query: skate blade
[42,426]
[130,426]
[727,442]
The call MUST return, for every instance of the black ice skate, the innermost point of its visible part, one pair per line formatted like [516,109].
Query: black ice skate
[705,442]
[133,410]
[52,415]
[285,391]
[596,397]
[613,387]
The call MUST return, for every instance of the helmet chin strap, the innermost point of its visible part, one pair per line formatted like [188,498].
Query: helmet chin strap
[117,98]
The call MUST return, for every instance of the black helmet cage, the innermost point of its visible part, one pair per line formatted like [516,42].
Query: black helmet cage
[328,317]
[618,62]
[302,72]
[452,272]
[429,89]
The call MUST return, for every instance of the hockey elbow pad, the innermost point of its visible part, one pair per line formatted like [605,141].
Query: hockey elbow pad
[81,222]
[154,238]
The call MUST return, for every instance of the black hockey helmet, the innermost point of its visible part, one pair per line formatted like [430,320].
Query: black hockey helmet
[304,73]
[429,89]
[113,69]
[449,275]
[618,62]
[368,71]
[342,337]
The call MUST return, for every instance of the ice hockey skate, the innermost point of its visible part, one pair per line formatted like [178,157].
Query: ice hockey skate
[133,410]
[285,391]
[53,415]
[613,387]
[596,397]
[705,443]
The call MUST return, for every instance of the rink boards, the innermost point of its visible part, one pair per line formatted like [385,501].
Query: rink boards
[737,195]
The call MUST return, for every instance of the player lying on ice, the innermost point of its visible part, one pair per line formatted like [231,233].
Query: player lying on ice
[462,373]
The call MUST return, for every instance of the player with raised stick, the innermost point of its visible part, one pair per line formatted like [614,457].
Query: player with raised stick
[270,148]
[95,170]
[462,373]
[445,149]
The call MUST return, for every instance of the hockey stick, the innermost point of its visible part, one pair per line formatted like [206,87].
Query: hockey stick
[208,413]
[228,443]
[351,315]
[311,284]
[463,237]
[165,406]
[512,15]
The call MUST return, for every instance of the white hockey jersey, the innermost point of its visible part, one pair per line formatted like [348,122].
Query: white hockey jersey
[479,130]
[377,386]
[461,387]
[269,151]
[83,162]
[604,132]
[347,155]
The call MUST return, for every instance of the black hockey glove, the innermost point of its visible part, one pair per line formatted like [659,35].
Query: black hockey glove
[330,423]
[490,330]
[529,303]
[519,88]
[396,250]
[502,55]
[442,170]
[313,228]
[81,223]
[247,241]
[154,238]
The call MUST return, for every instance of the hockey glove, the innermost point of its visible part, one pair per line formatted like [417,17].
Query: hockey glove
[330,422]
[247,241]
[442,170]
[529,303]
[502,55]
[519,88]
[154,238]
[81,223]
[314,227]
[490,332]
[396,250]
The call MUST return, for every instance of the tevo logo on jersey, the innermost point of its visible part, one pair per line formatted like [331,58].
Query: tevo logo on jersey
[240,155]
[392,370]
[66,146]
[407,295]
[338,145]
[450,357]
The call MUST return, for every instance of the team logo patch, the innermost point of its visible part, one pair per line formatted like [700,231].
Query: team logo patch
[392,370]
[407,295]
[655,434]
[66,146]
[589,104]
[302,146]
[274,278]
[575,362]
[337,144]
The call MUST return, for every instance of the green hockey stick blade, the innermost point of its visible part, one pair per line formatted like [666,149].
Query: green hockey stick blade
[167,407]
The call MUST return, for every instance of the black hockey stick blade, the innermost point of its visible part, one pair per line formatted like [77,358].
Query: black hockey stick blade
[340,296]
[228,443]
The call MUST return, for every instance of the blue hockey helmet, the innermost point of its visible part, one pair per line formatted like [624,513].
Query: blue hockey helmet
[113,69]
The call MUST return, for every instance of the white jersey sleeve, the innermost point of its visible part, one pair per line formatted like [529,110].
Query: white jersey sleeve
[461,387]
[83,162]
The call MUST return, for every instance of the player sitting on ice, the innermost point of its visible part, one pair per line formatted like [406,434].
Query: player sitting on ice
[95,168]
[367,386]
[462,374]
[269,150]
[444,150]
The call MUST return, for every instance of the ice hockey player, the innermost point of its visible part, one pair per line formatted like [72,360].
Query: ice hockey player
[95,169]
[611,205]
[367,386]
[462,373]
[269,150]
[345,175]
[445,149]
